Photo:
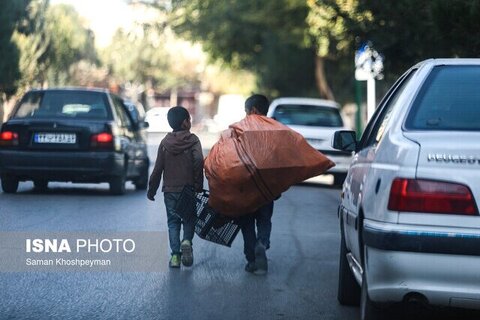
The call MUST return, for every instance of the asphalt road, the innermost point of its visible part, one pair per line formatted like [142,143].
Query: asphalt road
[301,283]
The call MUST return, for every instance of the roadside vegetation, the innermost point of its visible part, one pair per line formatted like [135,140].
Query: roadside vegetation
[280,47]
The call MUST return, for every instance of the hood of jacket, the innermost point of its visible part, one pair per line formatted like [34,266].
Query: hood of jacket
[178,141]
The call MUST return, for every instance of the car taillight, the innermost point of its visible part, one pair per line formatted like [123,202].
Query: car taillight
[8,138]
[102,140]
[427,196]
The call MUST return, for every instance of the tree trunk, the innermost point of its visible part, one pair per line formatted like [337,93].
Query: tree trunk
[320,76]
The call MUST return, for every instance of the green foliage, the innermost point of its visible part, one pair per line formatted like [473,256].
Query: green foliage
[288,44]
[140,57]
[11,15]
[268,36]
[334,24]
[405,32]
[152,57]
[70,42]
[409,31]
[34,42]
[265,37]
[402,31]
[457,25]
[286,69]
[52,41]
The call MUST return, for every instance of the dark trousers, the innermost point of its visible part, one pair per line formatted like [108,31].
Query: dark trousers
[262,218]
[175,223]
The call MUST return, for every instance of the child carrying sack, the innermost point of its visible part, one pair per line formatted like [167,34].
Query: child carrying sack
[256,160]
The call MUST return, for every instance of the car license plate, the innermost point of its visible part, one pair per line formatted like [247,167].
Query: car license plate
[66,138]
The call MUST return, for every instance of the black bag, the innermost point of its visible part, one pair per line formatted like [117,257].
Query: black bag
[209,225]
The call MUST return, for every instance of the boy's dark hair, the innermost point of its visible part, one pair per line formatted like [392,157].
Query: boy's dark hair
[259,101]
[176,116]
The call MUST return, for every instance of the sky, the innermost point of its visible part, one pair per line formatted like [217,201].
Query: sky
[103,16]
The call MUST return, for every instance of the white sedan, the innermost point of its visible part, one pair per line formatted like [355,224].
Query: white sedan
[409,219]
[316,120]
[157,120]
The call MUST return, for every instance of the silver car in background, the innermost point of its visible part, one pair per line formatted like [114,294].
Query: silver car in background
[409,219]
[316,120]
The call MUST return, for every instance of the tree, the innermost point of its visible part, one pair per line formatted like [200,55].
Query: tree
[33,42]
[139,57]
[253,34]
[456,24]
[404,31]
[12,14]
[52,42]
[267,38]
[409,31]
[70,43]
[333,26]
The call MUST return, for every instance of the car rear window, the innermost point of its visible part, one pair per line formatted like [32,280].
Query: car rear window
[449,100]
[308,115]
[64,104]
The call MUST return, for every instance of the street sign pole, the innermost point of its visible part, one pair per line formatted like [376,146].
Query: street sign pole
[369,66]
[358,115]
[370,97]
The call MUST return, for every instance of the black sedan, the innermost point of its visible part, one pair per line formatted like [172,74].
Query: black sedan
[76,135]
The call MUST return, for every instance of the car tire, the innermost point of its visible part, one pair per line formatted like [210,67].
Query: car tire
[348,292]
[141,183]
[117,185]
[368,309]
[339,178]
[9,184]
[40,185]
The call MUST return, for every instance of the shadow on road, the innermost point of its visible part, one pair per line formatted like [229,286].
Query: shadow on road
[320,185]
[97,190]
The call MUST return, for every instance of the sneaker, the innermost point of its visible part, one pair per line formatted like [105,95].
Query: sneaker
[261,262]
[174,261]
[250,267]
[187,253]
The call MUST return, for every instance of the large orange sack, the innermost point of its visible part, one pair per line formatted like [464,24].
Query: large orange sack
[256,160]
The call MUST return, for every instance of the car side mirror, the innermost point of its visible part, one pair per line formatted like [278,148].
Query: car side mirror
[345,140]
[133,114]
[143,125]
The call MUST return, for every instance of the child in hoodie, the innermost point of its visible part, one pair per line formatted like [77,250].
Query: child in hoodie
[180,160]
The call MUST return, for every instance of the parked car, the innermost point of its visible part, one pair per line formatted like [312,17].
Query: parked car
[409,219]
[77,135]
[157,119]
[230,109]
[135,110]
[317,120]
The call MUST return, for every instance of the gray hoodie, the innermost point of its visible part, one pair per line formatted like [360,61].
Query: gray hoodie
[180,160]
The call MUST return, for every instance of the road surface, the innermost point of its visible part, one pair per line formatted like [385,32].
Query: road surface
[301,283]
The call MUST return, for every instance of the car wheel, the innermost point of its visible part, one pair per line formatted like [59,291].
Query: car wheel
[141,183]
[348,292]
[9,184]
[368,309]
[117,185]
[40,185]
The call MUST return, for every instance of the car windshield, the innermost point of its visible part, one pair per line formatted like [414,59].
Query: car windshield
[449,100]
[308,115]
[63,104]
